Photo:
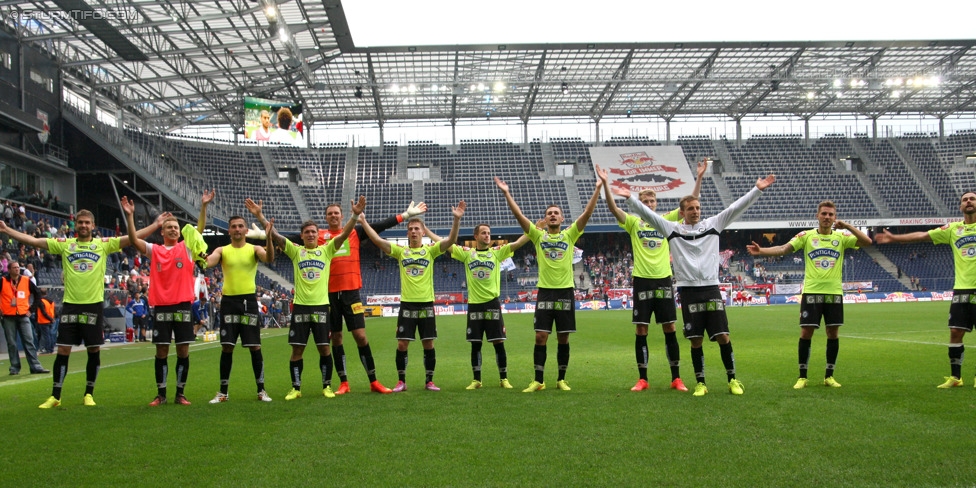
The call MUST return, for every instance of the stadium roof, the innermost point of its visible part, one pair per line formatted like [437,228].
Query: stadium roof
[173,63]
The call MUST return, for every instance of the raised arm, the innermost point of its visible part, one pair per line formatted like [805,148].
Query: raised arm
[702,167]
[755,250]
[357,210]
[257,210]
[521,241]
[738,207]
[147,230]
[129,207]
[614,209]
[205,200]
[267,253]
[888,238]
[23,238]
[214,258]
[862,238]
[457,212]
[590,206]
[523,221]
[381,243]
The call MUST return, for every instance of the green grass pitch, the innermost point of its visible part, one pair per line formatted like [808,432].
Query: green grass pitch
[887,426]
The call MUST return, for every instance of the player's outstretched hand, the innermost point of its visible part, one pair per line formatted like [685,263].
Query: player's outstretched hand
[208,196]
[414,210]
[254,207]
[458,211]
[620,192]
[358,207]
[763,183]
[883,237]
[501,185]
[753,248]
[702,167]
[601,173]
[128,206]
[163,217]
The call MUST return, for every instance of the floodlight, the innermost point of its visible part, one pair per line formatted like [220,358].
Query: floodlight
[499,86]
[565,88]
[811,95]
[271,13]
[359,92]
[838,83]
[283,34]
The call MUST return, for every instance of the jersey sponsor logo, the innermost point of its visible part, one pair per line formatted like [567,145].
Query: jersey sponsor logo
[650,234]
[481,269]
[824,258]
[554,250]
[415,267]
[311,274]
[966,246]
[311,263]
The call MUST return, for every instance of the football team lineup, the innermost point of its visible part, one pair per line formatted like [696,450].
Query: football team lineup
[676,251]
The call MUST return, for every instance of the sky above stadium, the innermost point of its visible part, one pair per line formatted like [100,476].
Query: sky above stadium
[449,22]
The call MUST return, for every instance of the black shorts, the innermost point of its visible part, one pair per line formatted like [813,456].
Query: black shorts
[703,310]
[555,305]
[654,296]
[239,318]
[347,304]
[486,319]
[81,323]
[309,319]
[962,311]
[813,307]
[414,316]
[173,320]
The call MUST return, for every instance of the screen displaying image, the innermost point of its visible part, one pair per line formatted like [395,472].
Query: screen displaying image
[273,121]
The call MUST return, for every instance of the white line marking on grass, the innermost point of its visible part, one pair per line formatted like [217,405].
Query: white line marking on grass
[38,377]
[897,332]
[895,340]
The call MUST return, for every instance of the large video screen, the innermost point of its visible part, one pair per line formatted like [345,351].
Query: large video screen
[273,121]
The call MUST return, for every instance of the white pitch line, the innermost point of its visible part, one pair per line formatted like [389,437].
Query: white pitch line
[896,340]
[897,332]
[38,377]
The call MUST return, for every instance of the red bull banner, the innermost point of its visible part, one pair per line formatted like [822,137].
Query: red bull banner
[448,298]
[663,169]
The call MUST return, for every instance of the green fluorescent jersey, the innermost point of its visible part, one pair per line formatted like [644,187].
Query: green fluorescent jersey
[416,271]
[240,266]
[963,240]
[482,269]
[554,253]
[823,258]
[311,272]
[652,258]
[83,266]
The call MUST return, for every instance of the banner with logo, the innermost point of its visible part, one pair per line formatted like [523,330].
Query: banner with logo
[663,169]
[383,300]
